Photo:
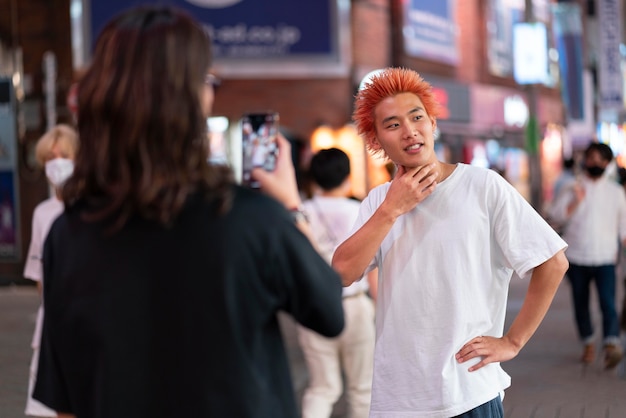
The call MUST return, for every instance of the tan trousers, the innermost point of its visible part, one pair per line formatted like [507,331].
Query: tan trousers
[352,351]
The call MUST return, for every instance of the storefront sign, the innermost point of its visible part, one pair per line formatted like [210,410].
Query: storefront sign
[609,61]
[567,29]
[502,17]
[453,98]
[530,52]
[271,37]
[429,30]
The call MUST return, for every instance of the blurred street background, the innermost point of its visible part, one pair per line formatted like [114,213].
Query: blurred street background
[523,85]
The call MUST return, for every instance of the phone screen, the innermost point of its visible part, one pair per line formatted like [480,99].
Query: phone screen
[260,149]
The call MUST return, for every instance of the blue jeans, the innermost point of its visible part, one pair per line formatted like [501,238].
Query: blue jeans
[580,278]
[491,409]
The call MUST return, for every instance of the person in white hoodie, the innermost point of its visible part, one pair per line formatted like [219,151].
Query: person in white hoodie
[593,212]
[55,152]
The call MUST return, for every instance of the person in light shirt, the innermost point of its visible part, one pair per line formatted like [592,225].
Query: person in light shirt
[447,239]
[55,152]
[331,214]
[593,212]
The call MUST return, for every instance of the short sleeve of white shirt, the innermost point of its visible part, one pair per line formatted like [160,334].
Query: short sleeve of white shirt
[519,230]
[43,216]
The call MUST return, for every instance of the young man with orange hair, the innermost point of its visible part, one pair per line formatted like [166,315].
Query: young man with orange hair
[447,239]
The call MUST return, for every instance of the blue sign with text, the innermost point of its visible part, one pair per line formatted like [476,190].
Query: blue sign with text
[251,29]
[429,30]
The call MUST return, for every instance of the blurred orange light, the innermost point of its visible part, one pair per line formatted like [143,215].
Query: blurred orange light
[365,171]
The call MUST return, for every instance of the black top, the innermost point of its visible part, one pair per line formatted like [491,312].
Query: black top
[180,321]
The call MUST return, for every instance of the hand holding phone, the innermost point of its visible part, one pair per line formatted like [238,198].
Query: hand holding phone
[260,149]
[281,183]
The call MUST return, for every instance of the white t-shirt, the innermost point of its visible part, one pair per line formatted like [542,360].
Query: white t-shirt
[43,216]
[597,224]
[444,270]
[331,220]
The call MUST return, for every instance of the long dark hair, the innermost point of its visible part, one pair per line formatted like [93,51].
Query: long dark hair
[142,130]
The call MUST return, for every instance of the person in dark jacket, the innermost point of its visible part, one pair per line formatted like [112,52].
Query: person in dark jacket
[163,278]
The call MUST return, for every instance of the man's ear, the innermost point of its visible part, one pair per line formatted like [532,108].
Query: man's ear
[374,145]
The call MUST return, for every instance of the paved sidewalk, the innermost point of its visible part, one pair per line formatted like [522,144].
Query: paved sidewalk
[548,379]
[18,309]
[558,388]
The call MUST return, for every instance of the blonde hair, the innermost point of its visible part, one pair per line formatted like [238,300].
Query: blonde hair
[62,135]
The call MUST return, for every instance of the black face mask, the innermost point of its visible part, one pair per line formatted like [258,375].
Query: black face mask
[594,171]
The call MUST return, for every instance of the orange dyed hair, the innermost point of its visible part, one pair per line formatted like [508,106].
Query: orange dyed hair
[388,83]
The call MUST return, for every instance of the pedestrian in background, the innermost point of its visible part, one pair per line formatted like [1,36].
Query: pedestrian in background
[563,181]
[593,214]
[331,215]
[621,263]
[54,152]
[163,279]
[446,239]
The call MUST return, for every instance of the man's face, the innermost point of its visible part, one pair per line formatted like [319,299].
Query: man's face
[405,131]
[595,159]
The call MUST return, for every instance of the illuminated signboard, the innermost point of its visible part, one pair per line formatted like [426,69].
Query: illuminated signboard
[262,37]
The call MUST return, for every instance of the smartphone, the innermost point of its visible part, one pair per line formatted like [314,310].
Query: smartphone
[258,140]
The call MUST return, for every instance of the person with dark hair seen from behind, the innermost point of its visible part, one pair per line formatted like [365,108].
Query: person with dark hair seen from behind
[592,211]
[163,279]
[331,215]
[444,268]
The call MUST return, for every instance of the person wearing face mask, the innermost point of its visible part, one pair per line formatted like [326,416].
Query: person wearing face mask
[593,212]
[55,152]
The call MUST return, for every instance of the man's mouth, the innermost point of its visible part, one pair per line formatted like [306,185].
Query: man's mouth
[413,147]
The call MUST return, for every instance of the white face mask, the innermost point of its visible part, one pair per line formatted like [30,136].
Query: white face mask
[59,170]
